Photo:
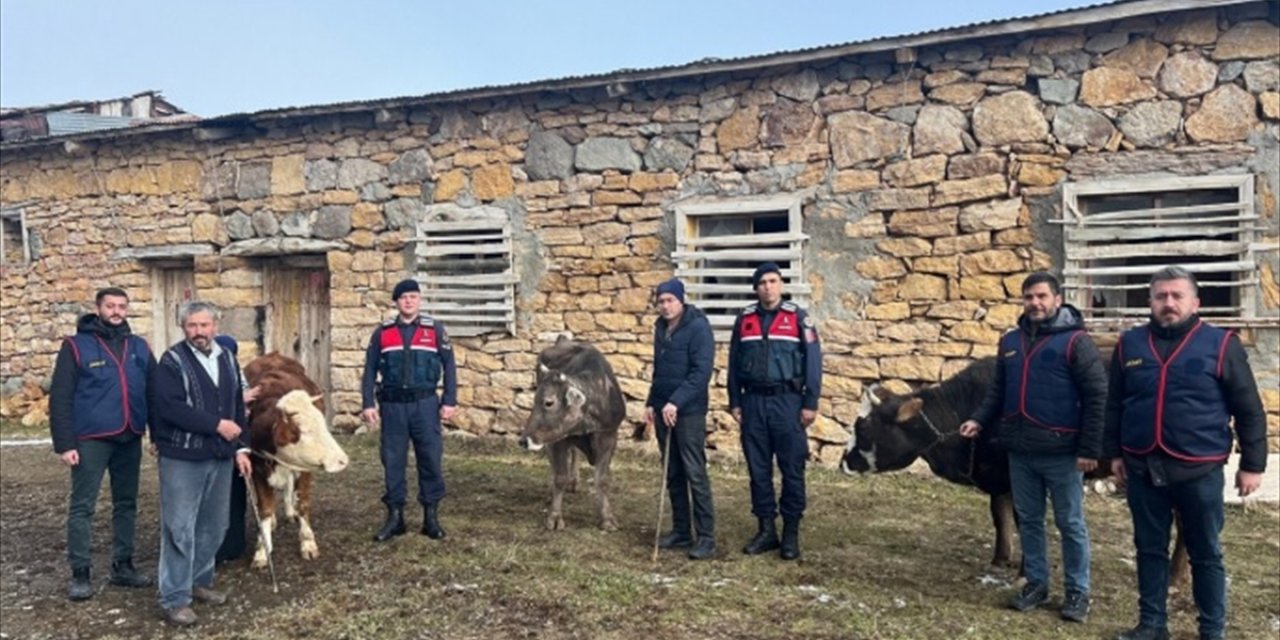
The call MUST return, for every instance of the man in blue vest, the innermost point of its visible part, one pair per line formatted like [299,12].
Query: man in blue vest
[684,352]
[1047,404]
[775,378]
[403,367]
[97,414]
[199,427]
[1176,384]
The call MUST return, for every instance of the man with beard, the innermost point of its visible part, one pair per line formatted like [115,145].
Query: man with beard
[684,351]
[199,427]
[1176,384]
[97,415]
[1046,404]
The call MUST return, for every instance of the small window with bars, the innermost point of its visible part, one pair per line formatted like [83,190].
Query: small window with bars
[15,245]
[1118,233]
[720,243]
[467,274]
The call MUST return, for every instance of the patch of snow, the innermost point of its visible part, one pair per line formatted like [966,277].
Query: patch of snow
[899,603]
[989,580]
[25,443]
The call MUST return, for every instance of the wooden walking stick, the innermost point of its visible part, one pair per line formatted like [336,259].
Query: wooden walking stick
[262,535]
[662,495]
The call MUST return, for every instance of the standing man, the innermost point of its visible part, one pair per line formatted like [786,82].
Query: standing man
[1047,402]
[684,351]
[410,353]
[775,378]
[199,427]
[97,415]
[1176,384]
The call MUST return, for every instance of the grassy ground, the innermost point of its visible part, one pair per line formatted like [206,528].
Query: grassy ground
[12,429]
[898,556]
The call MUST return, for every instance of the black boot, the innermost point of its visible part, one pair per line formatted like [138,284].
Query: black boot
[81,587]
[430,523]
[394,526]
[766,538]
[705,548]
[678,538]
[791,539]
[124,575]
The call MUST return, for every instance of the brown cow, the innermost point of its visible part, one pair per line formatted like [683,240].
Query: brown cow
[290,441]
[578,404]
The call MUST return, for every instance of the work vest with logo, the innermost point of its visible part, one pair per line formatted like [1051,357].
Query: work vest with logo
[415,366]
[772,356]
[1176,404]
[1038,386]
[111,392]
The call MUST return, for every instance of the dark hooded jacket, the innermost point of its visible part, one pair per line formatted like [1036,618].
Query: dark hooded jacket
[682,363]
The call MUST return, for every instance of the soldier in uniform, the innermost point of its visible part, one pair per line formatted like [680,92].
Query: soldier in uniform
[410,354]
[775,378]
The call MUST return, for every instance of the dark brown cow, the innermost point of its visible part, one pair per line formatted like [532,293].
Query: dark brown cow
[893,431]
[577,404]
[290,441]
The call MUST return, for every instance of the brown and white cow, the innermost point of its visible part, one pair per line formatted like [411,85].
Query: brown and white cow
[290,441]
[578,404]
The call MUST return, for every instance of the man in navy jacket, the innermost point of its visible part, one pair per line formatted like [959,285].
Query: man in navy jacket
[199,426]
[683,355]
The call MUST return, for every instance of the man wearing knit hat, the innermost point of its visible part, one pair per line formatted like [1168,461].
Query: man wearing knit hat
[407,357]
[775,378]
[684,351]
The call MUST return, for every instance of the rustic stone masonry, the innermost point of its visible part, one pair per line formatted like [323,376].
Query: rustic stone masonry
[933,173]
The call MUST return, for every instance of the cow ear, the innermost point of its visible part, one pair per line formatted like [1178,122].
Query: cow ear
[561,339]
[909,409]
[574,396]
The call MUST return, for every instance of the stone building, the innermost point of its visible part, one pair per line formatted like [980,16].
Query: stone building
[906,183]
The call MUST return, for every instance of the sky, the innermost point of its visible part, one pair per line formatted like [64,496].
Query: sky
[228,56]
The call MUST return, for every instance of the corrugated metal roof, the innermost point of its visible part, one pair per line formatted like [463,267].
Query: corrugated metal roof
[64,123]
[1100,12]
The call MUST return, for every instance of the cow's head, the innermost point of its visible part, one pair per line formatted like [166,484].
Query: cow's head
[302,437]
[887,436]
[558,409]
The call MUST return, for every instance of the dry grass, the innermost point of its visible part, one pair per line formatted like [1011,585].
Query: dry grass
[885,557]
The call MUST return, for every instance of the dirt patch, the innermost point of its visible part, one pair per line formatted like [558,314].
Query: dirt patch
[885,557]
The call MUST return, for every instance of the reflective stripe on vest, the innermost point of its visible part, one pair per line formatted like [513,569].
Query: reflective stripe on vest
[775,356]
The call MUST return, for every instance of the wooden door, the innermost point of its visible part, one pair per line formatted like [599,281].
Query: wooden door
[171,286]
[297,319]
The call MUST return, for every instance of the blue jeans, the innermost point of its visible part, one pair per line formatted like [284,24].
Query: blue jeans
[193,520]
[1033,475]
[419,422]
[771,429]
[1199,503]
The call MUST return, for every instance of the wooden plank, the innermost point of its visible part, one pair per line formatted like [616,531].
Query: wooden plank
[1203,284]
[1142,270]
[463,225]
[170,287]
[465,265]
[756,255]
[744,240]
[425,251]
[465,294]
[744,273]
[1112,234]
[469,307]
[473,237]
[1184,248]
[1131,214]
[779,203]
[1138,223]
[739,288]
[463,319]
[1122,186]
[1144,311]
[475,279]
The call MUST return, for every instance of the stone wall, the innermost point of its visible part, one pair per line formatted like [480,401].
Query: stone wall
[933,174]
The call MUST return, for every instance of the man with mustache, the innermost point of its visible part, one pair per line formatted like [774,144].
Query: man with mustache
[1176,384]
[97,414]
[199,426]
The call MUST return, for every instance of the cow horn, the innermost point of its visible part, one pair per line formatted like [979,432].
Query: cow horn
[872,396]
[318,398]
[542,368]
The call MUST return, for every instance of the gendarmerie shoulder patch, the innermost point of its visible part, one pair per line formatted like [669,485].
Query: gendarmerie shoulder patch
[389,323]
[808,322]
[790,306]
[749,309]
[426,321]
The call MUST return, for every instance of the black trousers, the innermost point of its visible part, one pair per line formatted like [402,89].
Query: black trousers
[687,479]
[233,545]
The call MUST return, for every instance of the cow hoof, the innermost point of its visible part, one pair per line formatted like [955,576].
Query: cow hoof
[609,525]
[310,551]
[555,523]
[259,561]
